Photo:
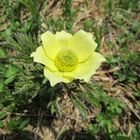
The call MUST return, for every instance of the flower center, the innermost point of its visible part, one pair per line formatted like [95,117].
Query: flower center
[66,60]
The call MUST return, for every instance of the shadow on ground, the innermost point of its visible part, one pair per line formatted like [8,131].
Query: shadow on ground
[39,116]
[20,135]
[27,135]
[72,135]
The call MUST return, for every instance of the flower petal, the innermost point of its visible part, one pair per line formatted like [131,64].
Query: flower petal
[86,69]
[55,77]
[40,56]
[63,37]
[51,44]
[83,44]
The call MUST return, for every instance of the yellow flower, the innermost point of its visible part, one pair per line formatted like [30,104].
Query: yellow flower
[67,57]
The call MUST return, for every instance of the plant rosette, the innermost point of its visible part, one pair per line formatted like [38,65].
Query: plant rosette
[67,57]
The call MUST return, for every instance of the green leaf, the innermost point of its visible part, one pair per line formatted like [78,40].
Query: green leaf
[1,124]
[10,74]
[10,71]
[53,106]
[78,103]
[2,53]
[9,80]
[2,115]
[16,124]
[1,87]
[93,128]
[23,124]
[12,124]
[1,105]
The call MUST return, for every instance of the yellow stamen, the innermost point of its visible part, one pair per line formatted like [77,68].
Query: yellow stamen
[66,60]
